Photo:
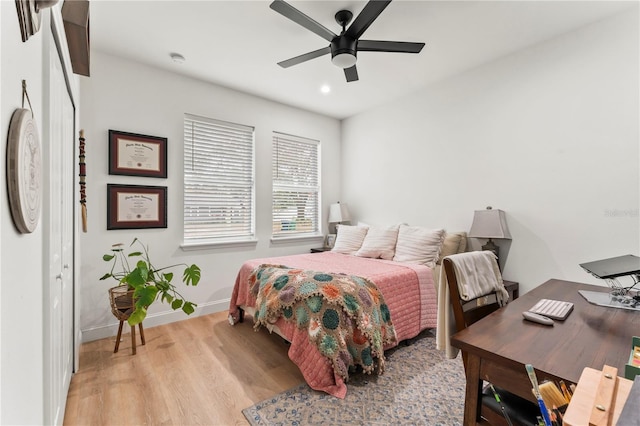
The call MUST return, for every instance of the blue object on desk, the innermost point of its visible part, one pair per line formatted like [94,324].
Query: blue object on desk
[536,391]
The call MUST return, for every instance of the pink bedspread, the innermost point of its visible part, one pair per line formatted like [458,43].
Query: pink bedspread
[408,290]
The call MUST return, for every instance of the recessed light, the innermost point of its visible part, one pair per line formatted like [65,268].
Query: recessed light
[177,58]
[325,89]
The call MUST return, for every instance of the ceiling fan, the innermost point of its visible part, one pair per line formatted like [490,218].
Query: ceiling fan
[344,47]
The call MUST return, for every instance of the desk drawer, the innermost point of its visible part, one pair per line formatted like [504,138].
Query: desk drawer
[512,377]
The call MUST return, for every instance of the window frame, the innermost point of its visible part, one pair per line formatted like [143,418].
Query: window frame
[248,237]
[316,232]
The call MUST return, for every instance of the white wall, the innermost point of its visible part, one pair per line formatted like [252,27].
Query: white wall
[2,131]
[127,96]
[21,276]
[549,134]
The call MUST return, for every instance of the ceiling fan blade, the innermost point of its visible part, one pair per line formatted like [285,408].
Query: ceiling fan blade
[351,74]
[290,12]
[303,58]
[366,17]
[389,46]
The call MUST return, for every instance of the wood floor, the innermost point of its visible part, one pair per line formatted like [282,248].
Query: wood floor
[200,371]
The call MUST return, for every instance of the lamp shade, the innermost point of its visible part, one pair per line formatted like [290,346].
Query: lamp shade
[339,213]
[489,223]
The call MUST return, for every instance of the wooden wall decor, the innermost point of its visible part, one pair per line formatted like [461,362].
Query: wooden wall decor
[75,15]
[83,182]
[24,168]
[29,15]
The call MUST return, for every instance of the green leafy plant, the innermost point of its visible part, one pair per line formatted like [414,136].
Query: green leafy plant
[149,283]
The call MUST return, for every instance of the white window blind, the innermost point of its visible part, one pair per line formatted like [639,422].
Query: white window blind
[296,188]
[219,201]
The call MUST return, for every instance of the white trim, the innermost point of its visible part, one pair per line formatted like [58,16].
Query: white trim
[110,330]
[2,132]
[217,244]
[55,48]
[60,38]
[297,239]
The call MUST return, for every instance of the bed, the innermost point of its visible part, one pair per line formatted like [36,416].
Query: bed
[407,287]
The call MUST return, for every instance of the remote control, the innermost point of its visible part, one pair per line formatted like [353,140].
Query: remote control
[541,319]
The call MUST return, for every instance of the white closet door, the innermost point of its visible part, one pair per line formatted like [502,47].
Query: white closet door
[58,216]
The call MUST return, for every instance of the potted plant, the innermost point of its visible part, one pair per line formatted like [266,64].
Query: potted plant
[145,283]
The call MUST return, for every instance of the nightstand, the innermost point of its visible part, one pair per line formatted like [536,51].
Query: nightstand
[513,288]
[321,249]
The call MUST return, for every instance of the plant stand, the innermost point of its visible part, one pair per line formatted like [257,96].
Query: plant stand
[122,305]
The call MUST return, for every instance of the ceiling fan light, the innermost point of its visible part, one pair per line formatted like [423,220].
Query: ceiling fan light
[344,60]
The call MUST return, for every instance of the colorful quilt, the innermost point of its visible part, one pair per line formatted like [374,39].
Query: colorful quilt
[345,316]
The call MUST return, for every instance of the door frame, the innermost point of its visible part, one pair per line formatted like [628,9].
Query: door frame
[54,40]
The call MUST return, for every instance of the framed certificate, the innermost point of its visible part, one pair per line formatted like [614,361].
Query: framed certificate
[137,155]
[136,207]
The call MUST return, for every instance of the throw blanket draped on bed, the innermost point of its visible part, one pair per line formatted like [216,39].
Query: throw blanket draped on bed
[345,315]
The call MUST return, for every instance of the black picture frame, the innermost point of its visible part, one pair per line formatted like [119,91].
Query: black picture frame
[133,154]
[136,206]
[330,241]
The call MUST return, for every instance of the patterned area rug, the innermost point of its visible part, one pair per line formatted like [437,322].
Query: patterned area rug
[420,386]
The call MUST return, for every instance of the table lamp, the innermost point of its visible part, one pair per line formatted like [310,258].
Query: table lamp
[490,224]
[338,213]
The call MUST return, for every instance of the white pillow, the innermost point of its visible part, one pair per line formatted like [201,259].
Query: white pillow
[349,239]
[379,243]
[419,245]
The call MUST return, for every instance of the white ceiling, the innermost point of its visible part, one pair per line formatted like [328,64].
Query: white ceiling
[238,43]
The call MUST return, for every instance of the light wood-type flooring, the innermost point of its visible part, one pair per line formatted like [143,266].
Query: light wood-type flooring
[199,371]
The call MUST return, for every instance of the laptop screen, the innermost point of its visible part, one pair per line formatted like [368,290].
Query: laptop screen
[613,267]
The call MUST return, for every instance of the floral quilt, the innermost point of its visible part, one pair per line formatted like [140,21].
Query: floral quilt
[345,315]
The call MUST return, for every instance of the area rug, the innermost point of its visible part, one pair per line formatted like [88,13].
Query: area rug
[420,386]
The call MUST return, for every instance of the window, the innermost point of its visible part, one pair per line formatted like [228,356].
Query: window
[219,200]
[296,189]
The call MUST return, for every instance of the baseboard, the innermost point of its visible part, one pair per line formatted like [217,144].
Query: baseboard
[153,320]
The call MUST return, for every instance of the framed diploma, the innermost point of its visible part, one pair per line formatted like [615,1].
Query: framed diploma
[137,155]
[136,207]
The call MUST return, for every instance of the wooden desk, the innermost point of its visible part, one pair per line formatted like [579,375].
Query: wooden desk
[499,345]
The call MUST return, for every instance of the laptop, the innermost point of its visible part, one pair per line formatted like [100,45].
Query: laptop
[613,267]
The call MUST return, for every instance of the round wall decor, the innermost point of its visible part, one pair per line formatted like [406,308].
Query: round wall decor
[24,171]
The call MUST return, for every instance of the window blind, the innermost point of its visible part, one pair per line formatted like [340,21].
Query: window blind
[219,199]
[296,188]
